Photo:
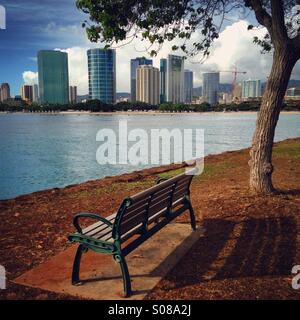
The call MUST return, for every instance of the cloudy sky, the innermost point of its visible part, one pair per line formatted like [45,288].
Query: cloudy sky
[33,25]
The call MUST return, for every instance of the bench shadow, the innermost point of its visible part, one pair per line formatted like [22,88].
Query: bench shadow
[211,227]
[264,247]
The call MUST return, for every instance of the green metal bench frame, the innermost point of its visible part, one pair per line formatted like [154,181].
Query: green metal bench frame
[114,247]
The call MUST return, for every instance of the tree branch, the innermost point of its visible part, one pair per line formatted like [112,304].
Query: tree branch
[261,14]
[278,25]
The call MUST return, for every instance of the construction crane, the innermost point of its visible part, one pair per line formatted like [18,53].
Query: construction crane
[235,73]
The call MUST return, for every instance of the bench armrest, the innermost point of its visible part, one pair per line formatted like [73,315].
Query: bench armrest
[158,181]
[89,215]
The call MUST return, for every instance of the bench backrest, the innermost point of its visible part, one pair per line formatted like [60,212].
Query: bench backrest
[142,209]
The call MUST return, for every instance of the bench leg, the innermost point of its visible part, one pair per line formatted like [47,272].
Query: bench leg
[125,274]
[76,266]
[192,215]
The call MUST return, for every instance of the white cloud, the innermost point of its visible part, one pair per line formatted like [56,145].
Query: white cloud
[30,77]
[235,47]
[78,69]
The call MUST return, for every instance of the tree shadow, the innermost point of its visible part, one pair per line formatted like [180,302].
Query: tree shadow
[289,192]
[266,247]
[263,247]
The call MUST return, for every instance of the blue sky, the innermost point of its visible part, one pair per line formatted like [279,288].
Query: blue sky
[30,26]
[33,25]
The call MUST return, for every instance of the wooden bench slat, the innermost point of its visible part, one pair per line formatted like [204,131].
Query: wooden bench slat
[182,183]
[102,233]
[129,214]
[158,207]
[129,224]
[93,226]
[157,215]
[181,192]
[160,186]
[138,203]
[132,232]
[158,198]
[138,214]
[106,237]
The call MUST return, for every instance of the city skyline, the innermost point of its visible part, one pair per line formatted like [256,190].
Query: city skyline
[175,83]
[19,43]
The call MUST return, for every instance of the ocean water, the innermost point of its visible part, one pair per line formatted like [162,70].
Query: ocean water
[40,152]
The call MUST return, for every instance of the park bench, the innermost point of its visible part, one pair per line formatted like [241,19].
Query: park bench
[137,219]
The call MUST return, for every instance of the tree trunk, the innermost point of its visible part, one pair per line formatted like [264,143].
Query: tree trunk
[260,163]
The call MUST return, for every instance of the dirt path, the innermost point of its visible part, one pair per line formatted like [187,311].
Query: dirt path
[250,246]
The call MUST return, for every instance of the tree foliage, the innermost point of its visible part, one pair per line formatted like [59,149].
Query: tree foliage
[165,20]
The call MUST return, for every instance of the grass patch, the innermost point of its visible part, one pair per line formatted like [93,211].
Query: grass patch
[289,149]
[214,170]
[171,173]
[210,171]
[114,187]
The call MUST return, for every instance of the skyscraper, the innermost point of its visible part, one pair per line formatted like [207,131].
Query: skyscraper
[73,94]
[27,93]
[163,81]
[237,93]
[251,89]
[4,92]
[102,74]
[211,83]
[147,84]
[134,63]
[35,93]
[53,77]
[188,86]
[175,79]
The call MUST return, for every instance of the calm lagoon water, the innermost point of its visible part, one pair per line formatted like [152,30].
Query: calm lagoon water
[45,151]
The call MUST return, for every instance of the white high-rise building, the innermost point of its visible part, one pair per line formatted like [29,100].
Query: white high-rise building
[251,89]
[134,64]
[175,79]
[147,84]
[211,84]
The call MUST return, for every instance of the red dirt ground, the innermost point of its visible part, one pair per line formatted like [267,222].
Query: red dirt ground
[251,242]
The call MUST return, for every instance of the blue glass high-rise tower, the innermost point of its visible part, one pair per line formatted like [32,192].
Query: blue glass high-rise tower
[53,77]
[102,74]
[211,83]
[188,86]
[163,81]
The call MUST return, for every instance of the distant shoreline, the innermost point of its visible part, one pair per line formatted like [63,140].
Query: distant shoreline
[137,113]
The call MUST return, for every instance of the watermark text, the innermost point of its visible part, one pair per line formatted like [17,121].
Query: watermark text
[151,147]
